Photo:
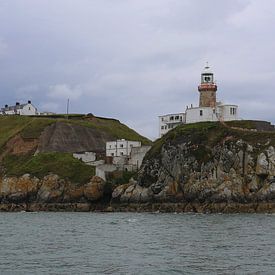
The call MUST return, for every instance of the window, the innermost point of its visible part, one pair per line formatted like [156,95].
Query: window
[177,117]
[171,118]
[121,145]
[162,119]
[112,154]
[162,127]
[201,113]
[233,111]
[207,78]
[29,108]
[121,153]
[165,127]
[110,146]
[214,111]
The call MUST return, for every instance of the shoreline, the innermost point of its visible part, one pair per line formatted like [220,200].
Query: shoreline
[226,208]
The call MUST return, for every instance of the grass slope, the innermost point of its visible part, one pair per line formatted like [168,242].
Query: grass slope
[61,164]
[208,134]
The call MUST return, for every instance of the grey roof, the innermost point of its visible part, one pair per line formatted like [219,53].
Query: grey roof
[15,107]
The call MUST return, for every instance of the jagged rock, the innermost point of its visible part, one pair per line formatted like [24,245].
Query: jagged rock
[51,189]
[262,165]
[187,169]
[18,189]
[94,190]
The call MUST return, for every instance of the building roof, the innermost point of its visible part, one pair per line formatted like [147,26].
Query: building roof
[207,69]
[16,107]
[174,114]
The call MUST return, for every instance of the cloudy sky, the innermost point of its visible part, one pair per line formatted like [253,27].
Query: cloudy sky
[136,59]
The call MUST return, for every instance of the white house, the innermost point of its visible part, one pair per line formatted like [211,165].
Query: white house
[120,147]
[27,109]
[170,121]
[209,109]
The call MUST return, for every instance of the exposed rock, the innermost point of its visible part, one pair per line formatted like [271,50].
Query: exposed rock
[94,190]
[67,137]
[187,169]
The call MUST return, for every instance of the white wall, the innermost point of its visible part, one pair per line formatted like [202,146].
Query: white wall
[120,147]
[28,110]
[86,156]
[138,154]
[169,122]
[193,115]
[101,170]
[227,112]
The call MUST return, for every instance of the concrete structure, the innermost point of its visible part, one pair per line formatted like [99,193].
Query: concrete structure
[170,121]
[137,155]
[209,109]
[102,170]
[27,109]
[120,147]
[86,157]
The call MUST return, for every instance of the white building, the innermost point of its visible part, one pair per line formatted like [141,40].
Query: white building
[120,147]
[170,121]
[209,109]
[27,109]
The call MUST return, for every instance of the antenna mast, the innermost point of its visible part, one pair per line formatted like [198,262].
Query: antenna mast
[68,103]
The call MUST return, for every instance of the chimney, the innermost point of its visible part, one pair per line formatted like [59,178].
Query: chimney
[29,102]
[6,106]
[17,104]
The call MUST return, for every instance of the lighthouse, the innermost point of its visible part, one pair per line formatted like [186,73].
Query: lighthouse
[207,88]
[208,110]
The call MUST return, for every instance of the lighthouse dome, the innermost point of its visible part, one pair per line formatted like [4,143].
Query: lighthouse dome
[207,69]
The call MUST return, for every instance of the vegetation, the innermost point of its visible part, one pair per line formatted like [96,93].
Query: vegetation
[35,127]
[61,164]
[208,134]
[113,127]
[123,178]
[10,126]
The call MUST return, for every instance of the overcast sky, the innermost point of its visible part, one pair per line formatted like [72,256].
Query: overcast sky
[136,59]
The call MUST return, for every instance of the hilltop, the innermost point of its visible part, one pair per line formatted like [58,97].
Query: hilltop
[207,167]
[42,145]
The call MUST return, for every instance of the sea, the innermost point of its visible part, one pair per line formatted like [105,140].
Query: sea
[136,243]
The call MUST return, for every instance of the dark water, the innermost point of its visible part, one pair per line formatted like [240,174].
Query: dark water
[130,243]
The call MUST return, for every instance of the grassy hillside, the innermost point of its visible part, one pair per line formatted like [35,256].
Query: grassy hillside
[209,134]
[31,127]
[63,164]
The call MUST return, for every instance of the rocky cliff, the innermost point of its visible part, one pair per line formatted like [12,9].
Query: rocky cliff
[29,193]
[207,167]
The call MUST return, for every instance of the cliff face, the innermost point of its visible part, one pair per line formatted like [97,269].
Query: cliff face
[65,137]
[204,164]
[30,193]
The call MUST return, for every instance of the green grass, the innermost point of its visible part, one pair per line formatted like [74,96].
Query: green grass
[209,134]
[62,164]
[245,124]
[10,126]
[113,127]
[35,127]
[196,132]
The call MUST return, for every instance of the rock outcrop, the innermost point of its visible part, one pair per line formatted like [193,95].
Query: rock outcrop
[206,166]
[50,189]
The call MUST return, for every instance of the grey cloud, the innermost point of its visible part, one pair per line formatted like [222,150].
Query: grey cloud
[136,59]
